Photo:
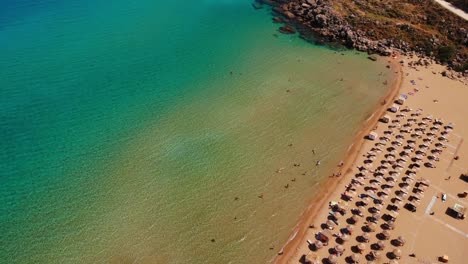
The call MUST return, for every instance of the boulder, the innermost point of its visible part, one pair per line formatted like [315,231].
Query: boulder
[287,30]
[289,15]
[322,20]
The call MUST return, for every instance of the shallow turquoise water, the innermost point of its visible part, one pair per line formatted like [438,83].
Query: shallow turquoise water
[128,129]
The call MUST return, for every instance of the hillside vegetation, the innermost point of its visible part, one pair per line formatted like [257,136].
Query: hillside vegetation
[376,26]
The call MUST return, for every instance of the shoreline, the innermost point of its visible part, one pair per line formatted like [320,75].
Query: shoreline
[329,185]
[329,22]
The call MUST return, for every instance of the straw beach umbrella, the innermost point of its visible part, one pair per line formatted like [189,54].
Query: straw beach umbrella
[401,240]
[361,247]
[371,227]
[381,245]
[337,216]
[353,219]
[318,244]
[376,216]
[385,234]
[380,178]
[396,253]
[375,254]
[366,237]
[339,249]
[358,212]
[390,225]
[355,258]
[345,238]
[332,259]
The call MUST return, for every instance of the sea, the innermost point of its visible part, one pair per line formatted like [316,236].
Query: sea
[164,131]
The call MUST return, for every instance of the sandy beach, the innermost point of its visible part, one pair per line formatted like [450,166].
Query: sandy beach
[377,183]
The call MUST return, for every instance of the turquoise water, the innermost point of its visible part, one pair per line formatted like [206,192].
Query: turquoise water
[128,129]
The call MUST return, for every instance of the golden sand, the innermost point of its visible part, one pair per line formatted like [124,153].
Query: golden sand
[429,233]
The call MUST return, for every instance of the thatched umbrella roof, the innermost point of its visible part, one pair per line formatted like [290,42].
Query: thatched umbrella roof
[381,244]
[366,236]
[332,259]
[375,254]
[312,258]
[385,234]
[376,216]
[396,252]
[391,224]
[355,257]
[390,179]
[361,246]
[339,248]
[401,239]
[372,226]
[358,211]
[318,244]
[426,182]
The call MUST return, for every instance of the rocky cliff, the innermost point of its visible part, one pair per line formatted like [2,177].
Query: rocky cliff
[376,26]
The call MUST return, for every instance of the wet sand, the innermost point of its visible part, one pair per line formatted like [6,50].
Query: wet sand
[444,98]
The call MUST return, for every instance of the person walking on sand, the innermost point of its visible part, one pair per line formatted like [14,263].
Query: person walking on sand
[317,163]
[313,151]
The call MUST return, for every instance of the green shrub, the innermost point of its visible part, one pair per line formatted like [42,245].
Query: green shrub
[446,53]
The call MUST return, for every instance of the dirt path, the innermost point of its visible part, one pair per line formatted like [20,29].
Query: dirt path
[453,9]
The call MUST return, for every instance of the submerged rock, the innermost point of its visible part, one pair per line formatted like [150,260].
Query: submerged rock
[287,30]
[257,5]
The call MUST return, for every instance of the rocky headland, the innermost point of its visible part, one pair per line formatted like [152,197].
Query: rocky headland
[383,27]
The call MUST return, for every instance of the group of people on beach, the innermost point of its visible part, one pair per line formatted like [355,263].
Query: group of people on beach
[420,134]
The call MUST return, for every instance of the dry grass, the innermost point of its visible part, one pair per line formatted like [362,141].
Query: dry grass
[417,22]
